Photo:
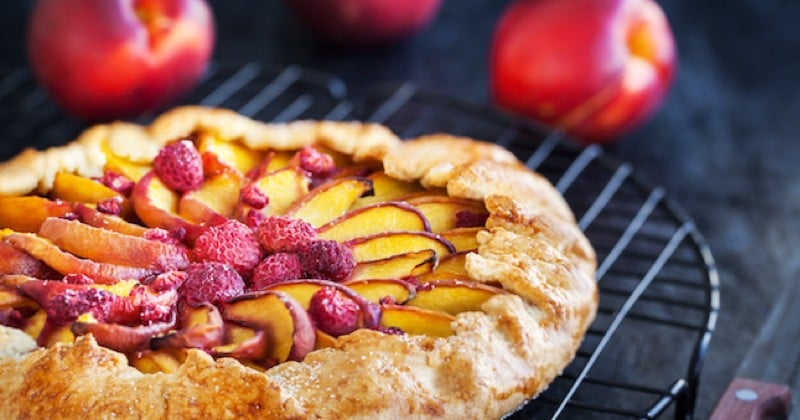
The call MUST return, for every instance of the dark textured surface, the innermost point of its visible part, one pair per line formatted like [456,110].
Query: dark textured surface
[725,145]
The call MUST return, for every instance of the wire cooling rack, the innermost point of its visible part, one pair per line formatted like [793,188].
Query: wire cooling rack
[659,293]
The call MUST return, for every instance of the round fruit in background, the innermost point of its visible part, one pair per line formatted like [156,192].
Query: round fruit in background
[103,59]
[594,67]
[364,22]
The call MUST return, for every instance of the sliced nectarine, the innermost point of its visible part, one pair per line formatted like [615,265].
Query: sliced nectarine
[131,170]
[66,263]
[233,155]
[79,189]
[14,261]
[289,329]
[377,289]
[53,334]
[387,244]
[283,188]
[453,296]
[217,196]
[25,214]
[324,340]
[396,267]
[444,213]
[330,200]
[157,206]
[244,343]
[463,239]
[122,338]
[201,327]
[386,188]
[154,361]
[9,298]
[374,219]
[98,219]
[417,321]
[34,325]
[105,246]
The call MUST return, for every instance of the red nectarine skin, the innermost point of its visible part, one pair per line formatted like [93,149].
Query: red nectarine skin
[364,22]
[595,67]
[102,59]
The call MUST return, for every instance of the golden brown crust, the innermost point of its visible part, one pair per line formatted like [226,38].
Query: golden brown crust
[497,358]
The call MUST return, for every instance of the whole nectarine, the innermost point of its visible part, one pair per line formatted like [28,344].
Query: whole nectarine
[364,22]
[103,59]
[594,67]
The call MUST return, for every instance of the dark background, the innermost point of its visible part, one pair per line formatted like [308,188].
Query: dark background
[725,144]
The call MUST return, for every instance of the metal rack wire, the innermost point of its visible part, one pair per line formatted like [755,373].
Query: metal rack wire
[659,294]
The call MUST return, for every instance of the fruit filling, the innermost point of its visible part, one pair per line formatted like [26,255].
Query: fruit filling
[263,256]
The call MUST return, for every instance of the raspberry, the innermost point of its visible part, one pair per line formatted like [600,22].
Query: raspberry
[333,313]
[319,164]
[71,303]
[180,166]
[275,269]
[172,237]
[150,313]
[211,282]
[284,234]
[254,218]
[253,197]
[231,243]
[466,218]
[111,205]
[324,259]
[171,280]
[78,279]
[116,182]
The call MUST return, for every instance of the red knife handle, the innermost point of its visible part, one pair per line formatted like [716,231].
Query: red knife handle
[746,399]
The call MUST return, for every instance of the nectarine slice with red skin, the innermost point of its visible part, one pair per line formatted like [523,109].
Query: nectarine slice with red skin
[79,189]
[442,212]
[34,325]
[10,298]
[157,206]
[105,246]
[374,219]
[154,361]
[463,239]
[217,196]
[396,267]
[417,321]
[14,261]
[110,222]
[388,244]
[122,338]
[283,188]
[254,347]
[330,200]
[376,289]
[387,188]
[288,326]
[201,327]
[453,296]
[66,263]
[230,154]
[15,280]
[52,334]
[26,214]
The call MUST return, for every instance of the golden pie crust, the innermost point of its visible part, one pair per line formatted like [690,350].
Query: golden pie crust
[496,359]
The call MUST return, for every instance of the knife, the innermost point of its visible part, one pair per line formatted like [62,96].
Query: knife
[760,389]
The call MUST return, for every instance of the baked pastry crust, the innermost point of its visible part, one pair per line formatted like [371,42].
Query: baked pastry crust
[496,359]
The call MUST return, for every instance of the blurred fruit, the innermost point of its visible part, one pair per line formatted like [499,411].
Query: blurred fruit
[364,22]
[103,59]
[595,67]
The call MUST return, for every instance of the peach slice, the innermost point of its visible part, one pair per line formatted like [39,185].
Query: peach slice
[417,321]
[396,267]
[25,214]
[451,266]
[9,298]
[277,160]
[65,263]
[253,347]
[122,338]
[131,170]
[79,189]
[201,327]
[14,261]
[283,188]
[387,189]
[34,325]
[377,289]
[463,239]
[324,340]
[15,280]
[289,329]
[217,196]
[105,246]
[443,213]
[229,153]
[154,361]
[374,219]
[387,244]
[453,296]
[303,290]
[330,200]
[157,206]
[52,334]
[98,219]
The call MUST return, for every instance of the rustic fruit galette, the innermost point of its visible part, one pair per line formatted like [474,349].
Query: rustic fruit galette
[209,265]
